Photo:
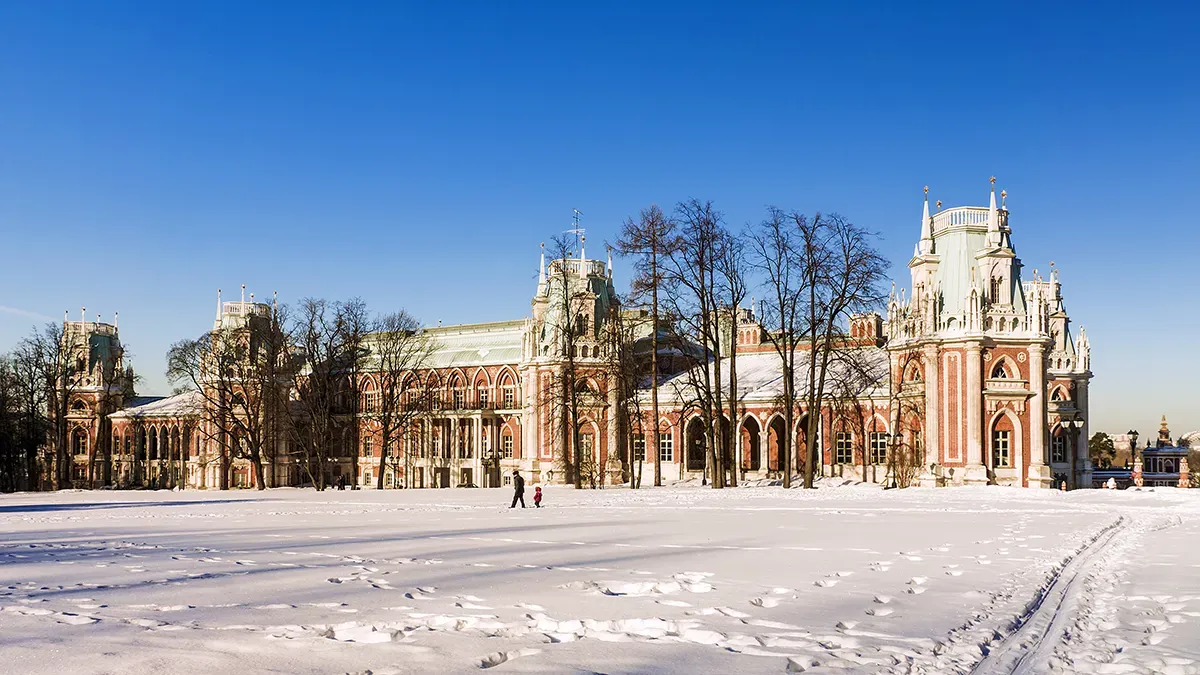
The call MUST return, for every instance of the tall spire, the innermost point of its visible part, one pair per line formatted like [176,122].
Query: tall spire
[926,245]
[542,268]
[243,294]
[993,236]
[610,263]
[116,320]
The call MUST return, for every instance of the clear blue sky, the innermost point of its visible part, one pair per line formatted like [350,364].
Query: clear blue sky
[416,156]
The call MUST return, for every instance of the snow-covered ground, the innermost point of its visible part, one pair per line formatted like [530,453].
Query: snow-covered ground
[671,580]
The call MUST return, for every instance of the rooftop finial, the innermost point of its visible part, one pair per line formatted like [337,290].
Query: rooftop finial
[939,205]
[83,317]
[542,268]
[116,320]
[1003,196]
[993,223]
[243,293]
[609,261]
[926,245]
[218,304]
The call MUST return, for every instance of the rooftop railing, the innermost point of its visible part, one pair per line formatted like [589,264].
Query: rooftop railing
[960,216]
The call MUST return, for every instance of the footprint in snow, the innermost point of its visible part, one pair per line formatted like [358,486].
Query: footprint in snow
[765,602]
[880,611]
[674,603]
[825,583]
[883,599]
[494,659]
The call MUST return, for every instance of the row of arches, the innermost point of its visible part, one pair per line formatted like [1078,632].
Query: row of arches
[438,389]
[154,442]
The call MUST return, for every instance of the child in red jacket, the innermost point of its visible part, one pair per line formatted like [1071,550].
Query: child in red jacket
[537,497]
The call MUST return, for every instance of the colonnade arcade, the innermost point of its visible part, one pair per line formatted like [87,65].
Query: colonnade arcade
[152,453]
[854,440]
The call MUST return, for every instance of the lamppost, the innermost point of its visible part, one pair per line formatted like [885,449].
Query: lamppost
[1133,436]
[491,461]
[893,440]
[1073,425]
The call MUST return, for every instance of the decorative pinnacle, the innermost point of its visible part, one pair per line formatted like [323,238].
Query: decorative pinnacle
[993,180]
[926,189]
[939,205]
[1003,196]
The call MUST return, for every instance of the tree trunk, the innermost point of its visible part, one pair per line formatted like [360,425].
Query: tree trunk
[256,462]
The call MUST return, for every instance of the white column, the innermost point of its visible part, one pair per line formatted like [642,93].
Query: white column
[1039,472]
[976,473]
[1085,458]
[933,414]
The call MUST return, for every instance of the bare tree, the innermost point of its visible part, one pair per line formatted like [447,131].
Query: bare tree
[843,275]
[775,254]
[395,351]
[55,354]
[33,426]
[238,372]
[354,324]
[573,331]
[692,297]
[731,289]
[328,338]
[627,372]
[648,239]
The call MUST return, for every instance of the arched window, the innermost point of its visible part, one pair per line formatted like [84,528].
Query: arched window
[914,373]
[994,295]
[1000,372]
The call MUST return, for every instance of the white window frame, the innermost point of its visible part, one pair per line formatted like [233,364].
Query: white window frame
[878,441]
[639,447]
[843,447]
[1001,449]
[666,448]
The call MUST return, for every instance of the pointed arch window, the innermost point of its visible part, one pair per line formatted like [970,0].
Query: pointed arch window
[1000,372]
[994,292]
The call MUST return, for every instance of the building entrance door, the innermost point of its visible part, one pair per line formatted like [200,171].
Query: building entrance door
[442,477]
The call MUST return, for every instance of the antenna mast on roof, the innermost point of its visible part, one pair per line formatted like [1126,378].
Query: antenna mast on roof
[576,229]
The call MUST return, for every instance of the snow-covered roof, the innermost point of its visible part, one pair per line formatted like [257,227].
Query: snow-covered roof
[478,344]
[760,376]
[187,403]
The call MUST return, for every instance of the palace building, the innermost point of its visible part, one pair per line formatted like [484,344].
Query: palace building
[974,372]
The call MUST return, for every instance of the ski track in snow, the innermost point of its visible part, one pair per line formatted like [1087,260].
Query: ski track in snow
[850,579]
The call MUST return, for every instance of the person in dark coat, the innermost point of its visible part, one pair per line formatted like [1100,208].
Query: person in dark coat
[518,489]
